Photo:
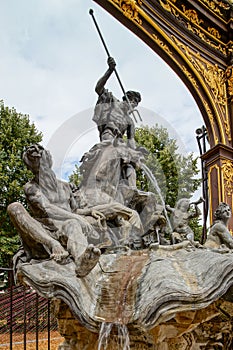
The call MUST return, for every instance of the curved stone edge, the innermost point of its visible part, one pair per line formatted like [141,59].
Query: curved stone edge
[158,299]
[160,306]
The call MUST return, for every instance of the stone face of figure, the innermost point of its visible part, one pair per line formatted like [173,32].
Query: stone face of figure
[219,235]
[223,213]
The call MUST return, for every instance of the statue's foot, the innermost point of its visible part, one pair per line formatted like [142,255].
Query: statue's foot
[58,252]
[87,261]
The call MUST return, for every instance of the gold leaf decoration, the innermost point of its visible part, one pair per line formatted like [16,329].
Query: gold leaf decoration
[193,25]
[216,6]
[227,170]
[229,79]
[130,9]
[190,76]
[192,16]
[211,119]
[161,44]
[214,32]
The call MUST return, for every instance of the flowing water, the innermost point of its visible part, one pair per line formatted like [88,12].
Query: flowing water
[120,332]
[122,337]
[157,188]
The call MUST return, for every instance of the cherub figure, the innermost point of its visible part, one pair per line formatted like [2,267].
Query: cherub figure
[180,217]
[219,235]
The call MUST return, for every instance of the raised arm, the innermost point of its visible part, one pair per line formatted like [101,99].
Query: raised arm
[196,212]
[170,209]
[102,81]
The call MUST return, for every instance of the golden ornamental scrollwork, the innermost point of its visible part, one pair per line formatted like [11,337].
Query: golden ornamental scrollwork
[168,6]
[216,6]
[223,4]
[215,78]
[192,15]
[161,44]
[214,32]
[190,77]
[227,172]
[129,9]
[211,119]
[229,79]
[212,74]
[192,22]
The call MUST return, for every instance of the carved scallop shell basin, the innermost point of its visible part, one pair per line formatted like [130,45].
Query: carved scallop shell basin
[160,294]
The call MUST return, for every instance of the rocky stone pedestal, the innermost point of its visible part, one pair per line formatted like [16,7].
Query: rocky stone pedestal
[209,328]
[168,298]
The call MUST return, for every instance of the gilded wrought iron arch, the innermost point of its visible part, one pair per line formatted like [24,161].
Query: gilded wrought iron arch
[194,38]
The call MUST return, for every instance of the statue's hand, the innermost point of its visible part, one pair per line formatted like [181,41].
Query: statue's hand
[98,215]
[111,63]
[100,219]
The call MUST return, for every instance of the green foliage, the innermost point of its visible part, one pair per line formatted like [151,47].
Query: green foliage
[197,229]
[75,178]
[175,174]
[16,133]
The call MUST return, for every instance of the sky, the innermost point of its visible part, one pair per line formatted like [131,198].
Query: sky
[50,60]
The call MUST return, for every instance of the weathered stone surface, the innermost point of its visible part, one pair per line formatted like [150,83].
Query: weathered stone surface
[208,328]
[124,288]
[142,289]
[96,251]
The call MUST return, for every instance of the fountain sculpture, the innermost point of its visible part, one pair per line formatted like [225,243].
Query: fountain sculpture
[97,251]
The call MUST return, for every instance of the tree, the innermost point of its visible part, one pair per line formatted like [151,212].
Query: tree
[76,177]
[174,173]
[16,133]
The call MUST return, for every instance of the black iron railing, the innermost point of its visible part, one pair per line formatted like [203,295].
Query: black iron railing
[22,313]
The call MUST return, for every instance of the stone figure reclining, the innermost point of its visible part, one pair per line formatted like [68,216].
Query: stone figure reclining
[62,224]
[57,227]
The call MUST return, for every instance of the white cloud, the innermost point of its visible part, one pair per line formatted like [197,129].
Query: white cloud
[51,57]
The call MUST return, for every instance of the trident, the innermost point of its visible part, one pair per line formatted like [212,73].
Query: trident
[133,111]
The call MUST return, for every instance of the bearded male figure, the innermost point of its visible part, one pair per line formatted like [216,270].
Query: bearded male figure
[111,115]
[56,229]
